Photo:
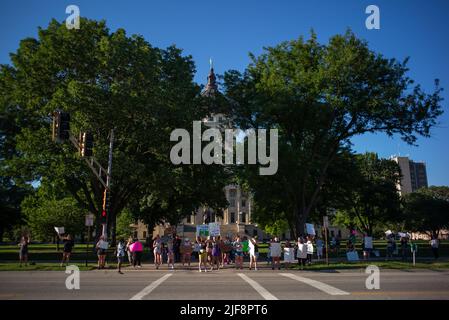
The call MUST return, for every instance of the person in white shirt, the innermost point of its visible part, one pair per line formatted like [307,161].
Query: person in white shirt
[275,252]
[309,250]
[253,252]
[301,254]
[289,254]
[434,244]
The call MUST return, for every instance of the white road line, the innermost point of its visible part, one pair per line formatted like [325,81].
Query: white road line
[261,290]
[317,284]
[147,290]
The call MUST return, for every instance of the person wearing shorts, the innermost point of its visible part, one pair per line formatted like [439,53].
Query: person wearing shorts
[157,251]
[202,261]
[216,253]
[238,247]
[68,247]
[101,252]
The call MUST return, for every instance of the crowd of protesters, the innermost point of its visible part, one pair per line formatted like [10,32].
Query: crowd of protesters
[214,253]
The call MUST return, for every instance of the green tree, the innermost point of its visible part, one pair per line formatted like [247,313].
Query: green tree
[319,97]
[105,80]
[374,199]
[427,210]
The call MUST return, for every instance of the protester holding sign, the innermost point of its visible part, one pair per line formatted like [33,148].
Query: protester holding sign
[68,246]
[309,250]
[289,254]
[202,261]
[301,254]
[275,252]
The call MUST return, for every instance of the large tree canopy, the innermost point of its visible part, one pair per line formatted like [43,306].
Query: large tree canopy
[319,96]
[105,80]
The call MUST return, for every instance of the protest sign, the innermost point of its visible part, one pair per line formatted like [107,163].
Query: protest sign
[202,230]
[368,242]
[214,229]
[352,256]
[59,230]
[310,229]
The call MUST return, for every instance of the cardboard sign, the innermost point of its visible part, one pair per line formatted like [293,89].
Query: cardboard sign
[352,256]
[368,242]
[310,229]
[245,246]
[89,221]
[202,230]
[59,230]
[214,229]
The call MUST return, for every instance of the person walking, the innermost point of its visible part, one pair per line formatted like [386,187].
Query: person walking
[68,246]
[23,250]
[102,247]
[171,253]
[434,244]
[157,251]
[120,251]
[301,254]
[197,248]
[253,252]
[275,253]
[390,247]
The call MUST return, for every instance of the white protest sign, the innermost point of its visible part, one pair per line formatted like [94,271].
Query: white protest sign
[89,221]
[310,229]
[368,242]
[59,230]
[214,229]
[403,235]
[202,230]
[388,232]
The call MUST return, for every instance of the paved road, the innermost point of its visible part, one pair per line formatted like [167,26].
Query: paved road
[147,283]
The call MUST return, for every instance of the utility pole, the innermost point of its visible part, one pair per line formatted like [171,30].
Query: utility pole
[108,183]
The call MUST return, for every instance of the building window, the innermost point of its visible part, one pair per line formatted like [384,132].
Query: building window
[243,203]
[144,234]
[232,202]
[243,217]
[232,193]
[232,217]
[189,218]
[332,233]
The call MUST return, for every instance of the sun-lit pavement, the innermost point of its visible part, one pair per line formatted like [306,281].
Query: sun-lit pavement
[147,283]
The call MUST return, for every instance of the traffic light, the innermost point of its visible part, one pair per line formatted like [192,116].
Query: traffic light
[61,126]
[86,144]
[105,207]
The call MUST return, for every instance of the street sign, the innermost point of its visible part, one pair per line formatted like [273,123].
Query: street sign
[89,221]
[326,222]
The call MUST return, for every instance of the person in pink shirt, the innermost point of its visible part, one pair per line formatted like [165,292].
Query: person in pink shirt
[137,249]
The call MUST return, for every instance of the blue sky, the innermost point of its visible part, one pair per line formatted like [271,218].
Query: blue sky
[228,30]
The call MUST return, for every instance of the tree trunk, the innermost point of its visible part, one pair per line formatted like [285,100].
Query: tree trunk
[301,217]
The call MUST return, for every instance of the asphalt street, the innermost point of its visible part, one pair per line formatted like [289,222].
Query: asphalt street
[229,284]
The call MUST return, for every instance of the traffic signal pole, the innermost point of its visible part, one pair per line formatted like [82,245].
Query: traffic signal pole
[108,181]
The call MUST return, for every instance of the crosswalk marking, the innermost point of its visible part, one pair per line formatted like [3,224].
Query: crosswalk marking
[261,290]
[317,284]
[147,290]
